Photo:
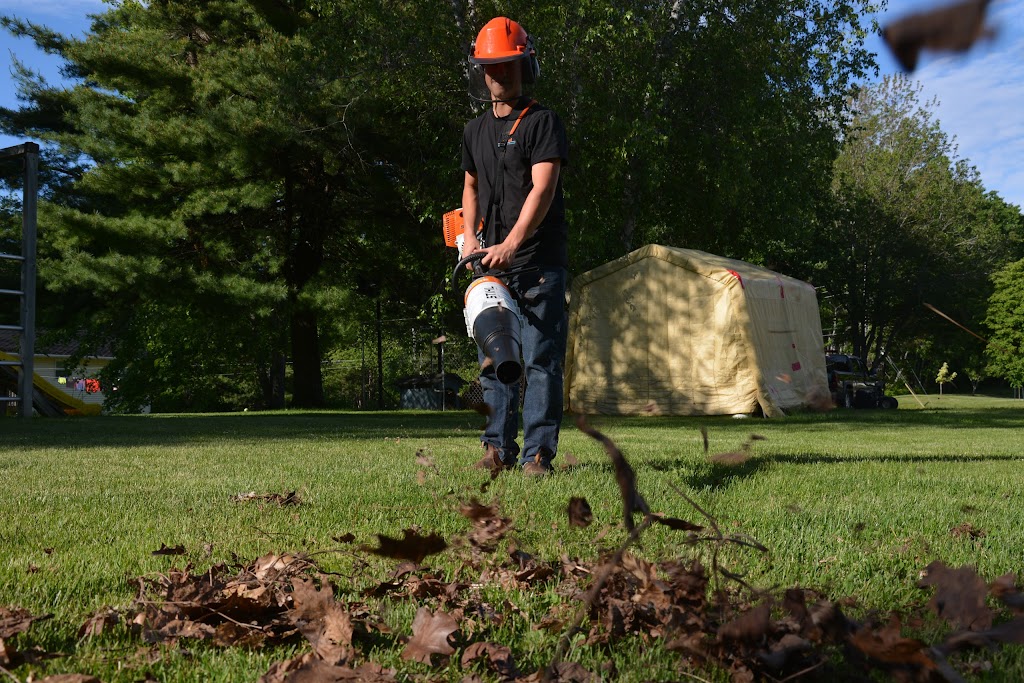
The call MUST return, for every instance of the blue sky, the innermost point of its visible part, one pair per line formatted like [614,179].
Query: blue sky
[981,94]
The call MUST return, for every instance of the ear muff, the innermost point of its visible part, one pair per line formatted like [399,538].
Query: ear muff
[531,65]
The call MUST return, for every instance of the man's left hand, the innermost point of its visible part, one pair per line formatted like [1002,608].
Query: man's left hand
[498,257]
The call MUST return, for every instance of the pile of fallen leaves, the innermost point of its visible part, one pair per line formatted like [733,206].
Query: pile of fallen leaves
[705,613]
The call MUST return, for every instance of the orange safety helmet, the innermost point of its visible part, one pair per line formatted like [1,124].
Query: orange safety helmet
[504,40]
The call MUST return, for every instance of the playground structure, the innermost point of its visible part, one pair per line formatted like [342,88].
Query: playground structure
[28,153]
[63,382]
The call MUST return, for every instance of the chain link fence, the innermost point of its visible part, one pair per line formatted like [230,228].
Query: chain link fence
[408,363]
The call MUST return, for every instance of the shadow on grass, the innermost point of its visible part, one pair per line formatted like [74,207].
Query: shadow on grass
[714,476]
[245,428]
[170,430]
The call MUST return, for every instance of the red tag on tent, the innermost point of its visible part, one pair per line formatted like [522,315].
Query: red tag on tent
[737,276]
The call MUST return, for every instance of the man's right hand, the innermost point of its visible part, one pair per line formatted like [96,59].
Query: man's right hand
[469,246]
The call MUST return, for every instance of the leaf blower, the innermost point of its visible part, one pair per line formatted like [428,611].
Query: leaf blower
[491,312]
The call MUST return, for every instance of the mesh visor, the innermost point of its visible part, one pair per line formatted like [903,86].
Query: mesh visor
[478,86]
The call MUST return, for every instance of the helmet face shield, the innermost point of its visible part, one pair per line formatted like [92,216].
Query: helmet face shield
[478,89]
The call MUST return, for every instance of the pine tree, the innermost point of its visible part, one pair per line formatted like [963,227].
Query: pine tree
[232,162]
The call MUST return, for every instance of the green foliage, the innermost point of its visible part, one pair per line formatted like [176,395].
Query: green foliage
[1005,350]
[696,124]
[286,164]
[233,156]
[944,376]
[911,224]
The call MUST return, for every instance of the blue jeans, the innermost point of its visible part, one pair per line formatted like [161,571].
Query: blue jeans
[541,298]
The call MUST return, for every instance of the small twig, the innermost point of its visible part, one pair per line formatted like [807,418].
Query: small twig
[719,540]
[602,576]
[695,677]
[237,623]
[798,674]
[271,534]
[13,677]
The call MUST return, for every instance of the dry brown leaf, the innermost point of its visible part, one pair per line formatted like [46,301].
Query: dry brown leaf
[98,623]
[308,669]
[749,627]
[270,567]
[1005,590]
[572,672]
[489,527]
[886,645]
[424,460]
[784,651]
[580,513]
[1008,632]
[279,499]
[674,523]
[819,400]
[476,511]
[497,657]
[230,634]
[959,596]
[953,28]
[625,477]
[322,621]
[14,620]
[430,632]
[69,678]
[966,530]
[731,458]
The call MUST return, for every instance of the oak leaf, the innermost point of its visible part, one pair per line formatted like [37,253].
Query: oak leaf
[625,477]
[959,596]
[749,627]
[14,620]
[580,513]
[954,28]
[886,645]
[322,621]
[430,633]
[497,657]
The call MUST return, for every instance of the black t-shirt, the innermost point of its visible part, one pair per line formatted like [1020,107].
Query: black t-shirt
[539,137]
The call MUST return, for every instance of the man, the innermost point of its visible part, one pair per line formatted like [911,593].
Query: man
[512,155]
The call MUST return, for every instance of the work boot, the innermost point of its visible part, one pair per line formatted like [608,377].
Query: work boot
[536,467]
[492,460]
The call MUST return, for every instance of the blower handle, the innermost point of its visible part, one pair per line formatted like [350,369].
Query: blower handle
[472,258]
[478,271]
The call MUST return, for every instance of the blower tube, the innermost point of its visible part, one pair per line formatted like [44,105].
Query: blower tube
[492,320]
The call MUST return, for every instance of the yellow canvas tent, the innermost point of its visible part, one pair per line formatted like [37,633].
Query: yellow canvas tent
[675,331]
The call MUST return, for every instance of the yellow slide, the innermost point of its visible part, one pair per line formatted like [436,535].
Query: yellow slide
[65,402]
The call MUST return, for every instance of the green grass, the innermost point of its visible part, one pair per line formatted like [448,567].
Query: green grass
[854,503]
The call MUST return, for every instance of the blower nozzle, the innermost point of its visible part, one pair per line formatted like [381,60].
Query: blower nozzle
[492,320]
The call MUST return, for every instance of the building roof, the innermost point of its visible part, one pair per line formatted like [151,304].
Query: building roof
[10,342]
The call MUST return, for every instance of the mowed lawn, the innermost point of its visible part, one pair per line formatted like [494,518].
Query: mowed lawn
[852,503]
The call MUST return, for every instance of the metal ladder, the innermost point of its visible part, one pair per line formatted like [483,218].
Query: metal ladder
[26,328]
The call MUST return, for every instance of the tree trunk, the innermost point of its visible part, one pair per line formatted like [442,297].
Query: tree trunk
[308,391]
[271,380]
